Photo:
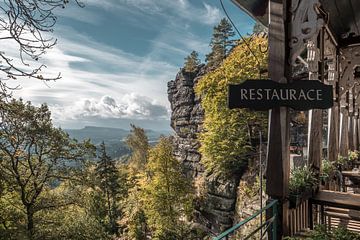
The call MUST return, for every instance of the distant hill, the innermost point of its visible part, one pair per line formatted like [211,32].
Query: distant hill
[114,138]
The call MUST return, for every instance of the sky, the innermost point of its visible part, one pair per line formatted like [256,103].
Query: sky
[116,57]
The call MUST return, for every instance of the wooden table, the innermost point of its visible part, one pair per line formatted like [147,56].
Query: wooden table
[333,199]
[337,199]
[351,174]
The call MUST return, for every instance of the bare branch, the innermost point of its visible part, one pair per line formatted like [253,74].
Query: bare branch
[28,24]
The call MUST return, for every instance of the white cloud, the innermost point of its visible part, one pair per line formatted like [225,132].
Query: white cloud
[182,9]
[212,15]
[90,70]
[130,106]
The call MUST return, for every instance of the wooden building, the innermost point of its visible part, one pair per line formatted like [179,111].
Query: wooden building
[324,37]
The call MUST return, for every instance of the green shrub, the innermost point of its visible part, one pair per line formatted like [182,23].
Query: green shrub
[301,180]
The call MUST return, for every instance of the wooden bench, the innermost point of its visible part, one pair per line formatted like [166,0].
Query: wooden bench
[342,200]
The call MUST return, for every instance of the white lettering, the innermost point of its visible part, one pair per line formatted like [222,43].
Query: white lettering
[319,95]
[292,94]
[252,94]
[267,93]
[302,95]
[259,94]
[308,95]
[275,94]
[243,93]
[282,95]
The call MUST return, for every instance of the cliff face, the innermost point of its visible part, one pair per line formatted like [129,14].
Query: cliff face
[217,195]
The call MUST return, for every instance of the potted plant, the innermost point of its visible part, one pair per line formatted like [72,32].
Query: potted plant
[341,162]
[353,156]
[302,181]
[327,171]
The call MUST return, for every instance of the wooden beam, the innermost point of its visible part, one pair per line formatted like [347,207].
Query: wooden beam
[278,155]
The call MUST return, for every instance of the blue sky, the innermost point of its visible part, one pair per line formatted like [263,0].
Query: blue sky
[116,57]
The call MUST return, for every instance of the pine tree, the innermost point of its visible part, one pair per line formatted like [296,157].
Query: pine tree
[192,62]
[136,219]
[139,144]
[166,194]
[109,183]
[221,43]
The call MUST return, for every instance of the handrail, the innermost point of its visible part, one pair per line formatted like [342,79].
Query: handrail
[273,204]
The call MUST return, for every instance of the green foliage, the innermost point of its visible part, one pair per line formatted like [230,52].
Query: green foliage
[35,156]
[166,194]
[327,170]
[342,233]
[74,221]
[226,137]
[112,187]
[353,155]
[192,62]
[321,233]
[139,144]
[221,43]
[341,160]
[301,180]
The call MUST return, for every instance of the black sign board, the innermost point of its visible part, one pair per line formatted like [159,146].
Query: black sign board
[267,94]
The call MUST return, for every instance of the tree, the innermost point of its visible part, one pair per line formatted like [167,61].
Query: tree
[192,62]
[259,28]
[221,43]
[25,25]
[136,219]
[109,182]
[139,144]
[167,195]
[225,140]
[35,157]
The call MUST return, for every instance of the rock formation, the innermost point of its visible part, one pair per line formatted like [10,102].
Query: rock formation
[217,195]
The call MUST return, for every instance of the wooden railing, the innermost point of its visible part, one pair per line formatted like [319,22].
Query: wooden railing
[299,218]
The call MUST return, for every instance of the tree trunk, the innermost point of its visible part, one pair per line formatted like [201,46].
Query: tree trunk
[30,221]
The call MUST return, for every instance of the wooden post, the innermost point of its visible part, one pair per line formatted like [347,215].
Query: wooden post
[278,156]
[316,122]
[334,112]
[315,139]
[344,132]
[351,132]
[351,119]
[358,131]
[355,133]
[333,150]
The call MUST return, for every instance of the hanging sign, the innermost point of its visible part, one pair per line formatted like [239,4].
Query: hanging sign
[267,94]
